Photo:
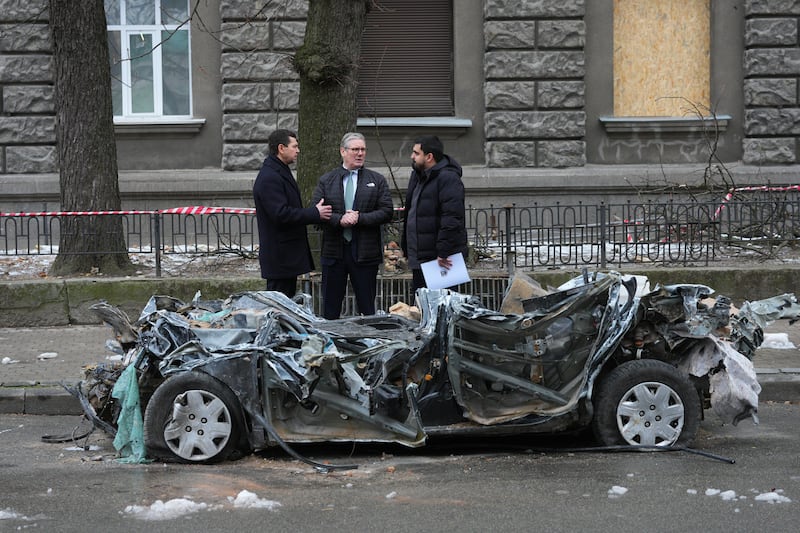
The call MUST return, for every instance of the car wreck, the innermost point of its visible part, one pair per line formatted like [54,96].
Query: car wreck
[211,380]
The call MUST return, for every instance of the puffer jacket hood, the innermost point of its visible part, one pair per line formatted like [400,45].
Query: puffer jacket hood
[440,214]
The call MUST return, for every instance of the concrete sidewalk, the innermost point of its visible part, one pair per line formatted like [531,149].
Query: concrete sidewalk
[48,356]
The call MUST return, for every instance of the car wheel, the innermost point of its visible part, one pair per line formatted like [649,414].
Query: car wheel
[192,418]
[646,402]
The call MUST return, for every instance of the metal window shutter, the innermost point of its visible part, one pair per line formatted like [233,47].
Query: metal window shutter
[406,64]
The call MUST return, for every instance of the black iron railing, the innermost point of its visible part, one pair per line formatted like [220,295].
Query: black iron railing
[757,225]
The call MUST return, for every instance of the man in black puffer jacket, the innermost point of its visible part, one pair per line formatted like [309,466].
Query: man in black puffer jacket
[434,226]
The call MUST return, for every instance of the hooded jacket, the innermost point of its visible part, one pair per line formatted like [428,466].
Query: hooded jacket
[440,214]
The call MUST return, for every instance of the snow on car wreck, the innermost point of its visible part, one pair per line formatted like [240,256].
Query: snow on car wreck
[218,378]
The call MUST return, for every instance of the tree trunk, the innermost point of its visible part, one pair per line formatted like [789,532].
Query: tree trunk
[87,152]
[328,67]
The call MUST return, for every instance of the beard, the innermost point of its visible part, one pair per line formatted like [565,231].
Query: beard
[418,168]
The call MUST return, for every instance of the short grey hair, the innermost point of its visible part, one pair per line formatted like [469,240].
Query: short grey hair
[349,136]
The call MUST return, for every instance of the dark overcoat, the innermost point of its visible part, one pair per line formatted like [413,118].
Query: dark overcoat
[283,240]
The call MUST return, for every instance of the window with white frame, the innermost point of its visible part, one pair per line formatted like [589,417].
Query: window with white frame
[149,46]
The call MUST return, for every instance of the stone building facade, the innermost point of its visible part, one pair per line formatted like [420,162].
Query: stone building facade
[533,99]
[771,73]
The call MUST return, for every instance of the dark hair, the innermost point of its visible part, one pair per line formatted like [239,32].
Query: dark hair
[430,144]
[279,137]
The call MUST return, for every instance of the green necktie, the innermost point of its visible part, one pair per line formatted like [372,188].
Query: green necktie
[349,196]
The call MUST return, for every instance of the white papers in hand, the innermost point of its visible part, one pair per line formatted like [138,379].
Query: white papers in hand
[437,277]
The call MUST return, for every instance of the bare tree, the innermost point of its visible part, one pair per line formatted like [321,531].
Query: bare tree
[87,153]
[328,67]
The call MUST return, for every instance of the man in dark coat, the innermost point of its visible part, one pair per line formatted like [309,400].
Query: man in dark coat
[435,225]
[351,239]
[283,240]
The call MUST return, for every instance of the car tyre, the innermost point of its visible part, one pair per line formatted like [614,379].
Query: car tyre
[193,418]
[646,402]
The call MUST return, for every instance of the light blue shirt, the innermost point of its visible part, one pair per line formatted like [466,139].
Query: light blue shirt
[354,172]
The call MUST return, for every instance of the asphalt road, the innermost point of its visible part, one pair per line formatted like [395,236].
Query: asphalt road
[488,485]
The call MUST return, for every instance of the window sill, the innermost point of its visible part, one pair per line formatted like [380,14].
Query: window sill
[665,124]
[129,126]
[415,122]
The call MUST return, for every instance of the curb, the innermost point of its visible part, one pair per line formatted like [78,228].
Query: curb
[38,400]
[779,385]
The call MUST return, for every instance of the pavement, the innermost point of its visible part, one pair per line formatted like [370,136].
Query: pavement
[35,361]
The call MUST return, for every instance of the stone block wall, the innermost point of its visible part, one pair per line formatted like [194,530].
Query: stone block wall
[771,72]
[534,83]
[533,91]
[260,90]
[27,121]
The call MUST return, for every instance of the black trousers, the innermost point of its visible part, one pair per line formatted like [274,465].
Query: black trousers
[334,283]
[287,286]
[417,279]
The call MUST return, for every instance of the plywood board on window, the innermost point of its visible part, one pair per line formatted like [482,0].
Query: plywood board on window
[661,57]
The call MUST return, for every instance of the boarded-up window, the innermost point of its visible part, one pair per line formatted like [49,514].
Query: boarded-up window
[406,66]
[661,57]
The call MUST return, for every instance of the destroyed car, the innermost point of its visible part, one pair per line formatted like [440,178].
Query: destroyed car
[219,378]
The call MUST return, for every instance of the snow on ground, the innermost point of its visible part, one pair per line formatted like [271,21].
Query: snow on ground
[248,500]
[778,341]
[160,510]
[171,509]
[10,514]
[772,497]
[175,508]
[27,267]
[616,491]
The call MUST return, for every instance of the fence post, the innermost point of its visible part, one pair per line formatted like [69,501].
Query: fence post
[509,253]
[603,239]
[47,241]
[156,229]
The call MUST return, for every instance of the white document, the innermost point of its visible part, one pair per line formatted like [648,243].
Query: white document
[437,277]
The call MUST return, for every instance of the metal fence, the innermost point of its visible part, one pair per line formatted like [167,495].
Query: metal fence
[686,233]
[489,289]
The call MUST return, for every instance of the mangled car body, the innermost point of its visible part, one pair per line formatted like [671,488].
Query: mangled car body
[638,366]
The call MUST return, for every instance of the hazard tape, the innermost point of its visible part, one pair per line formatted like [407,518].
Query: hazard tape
[727,198]
[73,213]
[203,210]
[191,210]
[752,188]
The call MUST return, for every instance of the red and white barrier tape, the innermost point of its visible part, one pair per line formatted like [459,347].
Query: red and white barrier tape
[73,213]
[192,210]
[756,188]
[203,210]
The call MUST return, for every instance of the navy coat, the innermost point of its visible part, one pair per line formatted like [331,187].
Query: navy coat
[283,240]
